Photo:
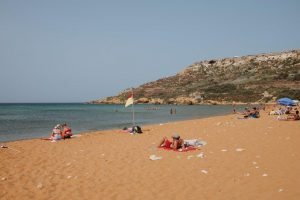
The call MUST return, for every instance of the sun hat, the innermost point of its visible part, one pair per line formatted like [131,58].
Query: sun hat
[175,136]
[57,126]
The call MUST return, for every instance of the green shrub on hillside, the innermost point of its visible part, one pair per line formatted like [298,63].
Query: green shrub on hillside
[225,88]
[296,77]
[293,94]
[282,76]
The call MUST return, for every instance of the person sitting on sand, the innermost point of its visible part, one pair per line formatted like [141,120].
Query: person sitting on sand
[294,116]
[253,113]
[291,117]
[67,131]
[56,133]
[177,142]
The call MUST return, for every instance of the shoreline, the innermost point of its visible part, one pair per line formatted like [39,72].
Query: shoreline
[116,128]
[82,133]
[39,121]
[211,103]
[243,159]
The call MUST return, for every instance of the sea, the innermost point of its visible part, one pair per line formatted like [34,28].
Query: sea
[19,121]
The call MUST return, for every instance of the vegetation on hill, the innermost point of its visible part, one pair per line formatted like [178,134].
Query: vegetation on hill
[255,78]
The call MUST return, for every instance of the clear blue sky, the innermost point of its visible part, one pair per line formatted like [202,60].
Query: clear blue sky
[76,51]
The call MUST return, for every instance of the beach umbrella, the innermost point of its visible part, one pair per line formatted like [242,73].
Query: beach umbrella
[286,101]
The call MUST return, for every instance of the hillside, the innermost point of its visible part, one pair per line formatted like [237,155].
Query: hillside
[254,78]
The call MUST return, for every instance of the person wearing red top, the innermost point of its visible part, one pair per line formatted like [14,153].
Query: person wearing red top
[67,131]
[176,143]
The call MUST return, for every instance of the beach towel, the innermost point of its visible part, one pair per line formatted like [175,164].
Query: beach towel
[52,139]
[190,145]
[190,148]
[194,143]
[47,139]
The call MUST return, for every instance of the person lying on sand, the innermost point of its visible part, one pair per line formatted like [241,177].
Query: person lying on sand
[280,111]
[177,142]
[127,130]
[133,130]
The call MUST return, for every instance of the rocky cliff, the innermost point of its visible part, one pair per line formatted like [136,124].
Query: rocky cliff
[254,78]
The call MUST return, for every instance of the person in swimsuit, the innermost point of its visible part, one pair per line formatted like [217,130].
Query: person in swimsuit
[176,143]
[67,131]
[294,116]
[56,133]
[254,113]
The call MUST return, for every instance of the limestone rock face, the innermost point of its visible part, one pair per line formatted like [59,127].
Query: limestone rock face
[186,100]
[113,100]
[156,101]
[143,100]
[254,78]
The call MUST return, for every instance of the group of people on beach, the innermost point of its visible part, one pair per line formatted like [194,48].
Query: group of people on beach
[286,113]
[254,113]
[248,113]
[61,131]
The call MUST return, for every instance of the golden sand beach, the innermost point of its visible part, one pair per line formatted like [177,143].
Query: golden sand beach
[243,159]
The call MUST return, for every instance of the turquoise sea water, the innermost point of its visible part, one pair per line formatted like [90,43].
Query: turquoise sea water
[24,121]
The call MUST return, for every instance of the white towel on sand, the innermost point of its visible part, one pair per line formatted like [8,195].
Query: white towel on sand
[195,142]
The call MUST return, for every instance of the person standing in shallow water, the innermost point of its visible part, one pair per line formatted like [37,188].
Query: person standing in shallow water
[233,108]
[171,111]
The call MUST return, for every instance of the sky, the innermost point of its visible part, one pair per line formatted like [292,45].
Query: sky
[82,50]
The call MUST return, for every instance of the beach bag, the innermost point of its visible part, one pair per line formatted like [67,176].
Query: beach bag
[137,129]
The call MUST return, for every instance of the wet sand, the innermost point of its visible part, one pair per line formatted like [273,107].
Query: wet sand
[243,159]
